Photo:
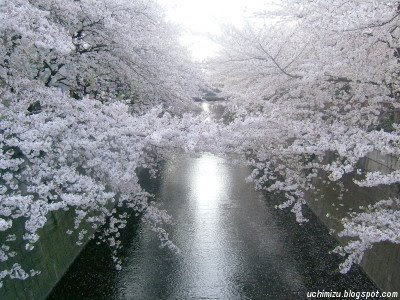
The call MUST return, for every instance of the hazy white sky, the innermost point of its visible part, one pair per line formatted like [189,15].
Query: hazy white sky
[204,17]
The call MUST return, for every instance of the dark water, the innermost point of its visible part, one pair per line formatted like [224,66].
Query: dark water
[234,244]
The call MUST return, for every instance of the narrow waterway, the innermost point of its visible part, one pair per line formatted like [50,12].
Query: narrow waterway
[234,245]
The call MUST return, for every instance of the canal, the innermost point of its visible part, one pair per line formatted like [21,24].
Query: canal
[234,245]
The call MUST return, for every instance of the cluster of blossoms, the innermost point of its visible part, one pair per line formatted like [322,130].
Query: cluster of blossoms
[314,88]
[73,155]
[379,223]
[85,90]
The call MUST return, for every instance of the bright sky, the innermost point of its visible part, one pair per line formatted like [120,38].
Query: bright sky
[201,18]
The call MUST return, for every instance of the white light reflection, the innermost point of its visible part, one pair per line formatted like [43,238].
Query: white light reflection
[208,180]
[206,107]
[210,190]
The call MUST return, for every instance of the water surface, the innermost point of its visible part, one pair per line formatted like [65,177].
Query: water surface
[234,245]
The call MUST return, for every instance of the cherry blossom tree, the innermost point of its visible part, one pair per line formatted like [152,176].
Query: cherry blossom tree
[85,89]
[121,50]
[314,87]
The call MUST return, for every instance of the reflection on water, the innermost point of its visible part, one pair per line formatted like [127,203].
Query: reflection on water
[207,188]
[205,106]
[208,181]
[234,245]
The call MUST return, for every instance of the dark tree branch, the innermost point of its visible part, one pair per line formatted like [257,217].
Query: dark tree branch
[374,25]
[276,63]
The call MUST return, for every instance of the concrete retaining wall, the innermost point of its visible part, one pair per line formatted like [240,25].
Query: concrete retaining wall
[52,255]
[382,262]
